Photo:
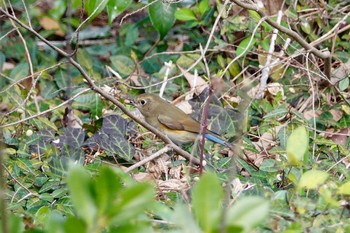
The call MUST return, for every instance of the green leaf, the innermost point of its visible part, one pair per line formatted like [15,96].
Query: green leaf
[42,215]
[74,225]
[162,16]
[48,89]
[2,60]
[343,84]
[115,8]
[92,5]
[312,179]
[185,14]
[112,137]
[297,146]
[80,187]
[14,223]
[58,9]
[96,107]
[133,201]
[107,186]
[89,101]
[123,64]
[344,189]
[84,58]
[184,220]
[203,6]
[245,46]
[305,26]
[19,72]
[207,202]
[247,213]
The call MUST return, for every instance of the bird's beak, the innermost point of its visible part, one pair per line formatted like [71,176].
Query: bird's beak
[133,102]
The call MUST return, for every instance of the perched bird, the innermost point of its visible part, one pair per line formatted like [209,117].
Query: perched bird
[176,124]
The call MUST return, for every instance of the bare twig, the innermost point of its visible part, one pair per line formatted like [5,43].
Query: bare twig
[148,159]
[266,70]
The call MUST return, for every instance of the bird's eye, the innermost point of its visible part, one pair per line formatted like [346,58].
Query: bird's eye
[143,102]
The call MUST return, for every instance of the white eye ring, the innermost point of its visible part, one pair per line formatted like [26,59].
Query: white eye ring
[143,102]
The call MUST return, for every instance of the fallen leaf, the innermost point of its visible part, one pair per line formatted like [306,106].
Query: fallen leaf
[196,82]
[50,24]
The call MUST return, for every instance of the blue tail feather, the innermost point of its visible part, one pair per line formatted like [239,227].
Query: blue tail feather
[214,138]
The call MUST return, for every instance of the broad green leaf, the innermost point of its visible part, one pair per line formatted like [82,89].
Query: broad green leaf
[2,60]
[84,59]
[297,146]
[344,189]
[107,186]
[58,9]
[123,64]
[89,101]
[96,107]
[133,201]
[44,123]
[247,213]
[234,68]
[245,46]
[253,14]
[74,225]
[185,61]
[278,112]
[312,179]
[94,5]
[305,26]
[48,89]
[80,187]
[42,215]
[328,195]
[343,84]
[115,8]
[19,72]
[185,14]
[14,223]
[268,165]
[162,16]
[112,137]
[184,220]
[207,202]
[203,6]
[221,61]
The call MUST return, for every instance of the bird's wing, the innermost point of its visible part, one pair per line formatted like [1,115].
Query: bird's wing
[170,122]
[180,124]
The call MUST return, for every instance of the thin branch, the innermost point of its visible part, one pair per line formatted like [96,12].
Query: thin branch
[148,159]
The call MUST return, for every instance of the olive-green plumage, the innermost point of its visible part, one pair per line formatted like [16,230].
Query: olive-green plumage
[176,124]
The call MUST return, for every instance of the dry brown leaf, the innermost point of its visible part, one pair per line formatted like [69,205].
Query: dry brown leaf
[172,185]
[8,66]
[337,114]
[196,83]
[341,72]
[142,176]
[50,24]
[275,88]
[185,106]
[309,114]
[340,137]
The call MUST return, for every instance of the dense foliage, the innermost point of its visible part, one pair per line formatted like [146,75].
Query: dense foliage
[69,151]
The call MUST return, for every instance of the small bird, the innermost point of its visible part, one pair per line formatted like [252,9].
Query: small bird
[176,124]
